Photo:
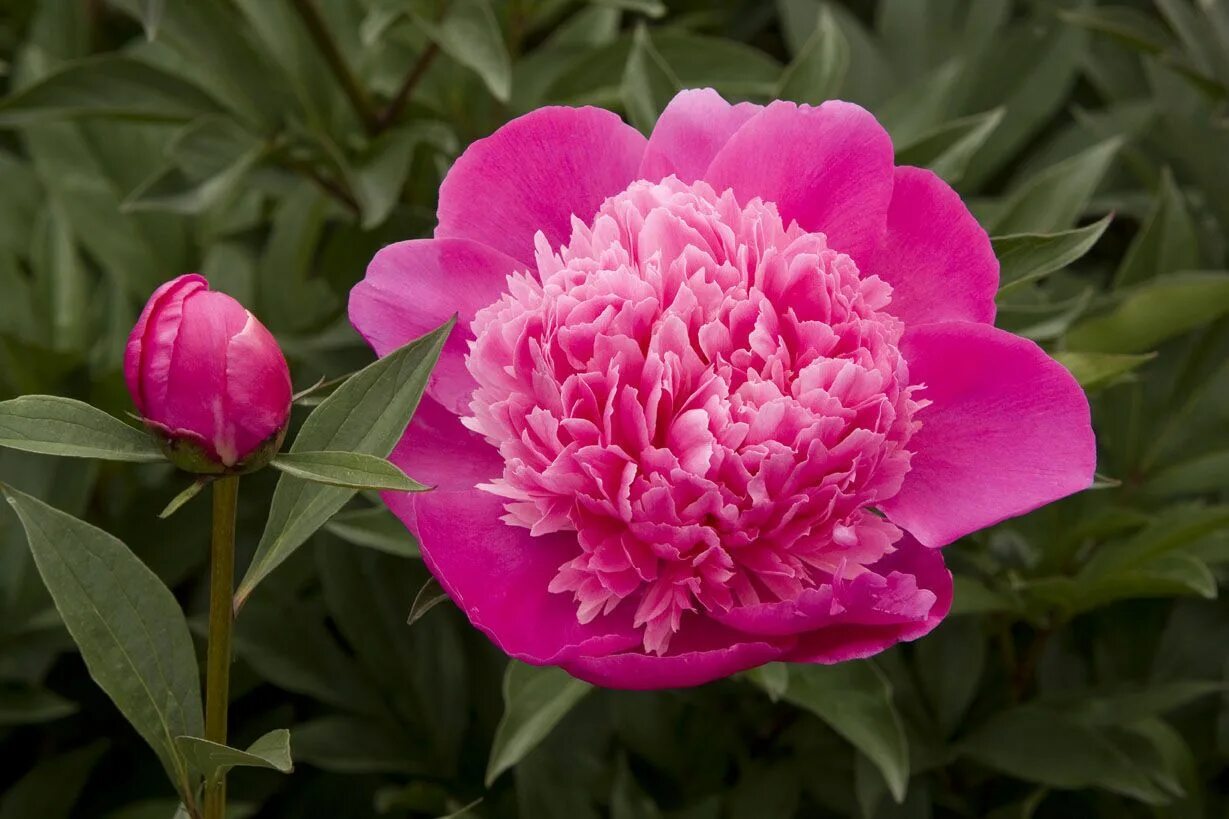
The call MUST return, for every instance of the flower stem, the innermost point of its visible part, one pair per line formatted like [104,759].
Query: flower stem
[221,621]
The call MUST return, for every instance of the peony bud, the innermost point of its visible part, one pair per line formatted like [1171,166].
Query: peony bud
[208,378]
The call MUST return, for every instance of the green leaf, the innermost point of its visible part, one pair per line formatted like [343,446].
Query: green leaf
[348,469]
[1055,198]
[1095,370]
[535,700]
[29,706]
[52,425]
[648,82]
[1203,473]
[773,678]
[429,596]
[948,149]
[1155,312]
[1166,243]
[374,528]
[1134,703]
[1044,745]
[51,790]
[649,8]
[470,34]
[855,699]
[151,17]
[817,72]
[108,86]
[183,497]
[213,760]
[129,627]
[1027,257]
[367,414]
[949,664]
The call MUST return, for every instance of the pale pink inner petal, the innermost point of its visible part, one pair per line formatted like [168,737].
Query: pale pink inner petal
[711,400]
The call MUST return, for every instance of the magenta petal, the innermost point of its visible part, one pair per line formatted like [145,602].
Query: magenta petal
[829,168]
[701,652]
[936,256]
[497,574]
[536,173]
[1008,431]
[154,334]
[690,132]
[867,636]
[413,287]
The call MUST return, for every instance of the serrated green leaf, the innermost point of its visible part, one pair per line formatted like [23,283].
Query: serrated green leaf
[353,470]
[52,425]
[817,72]
[367,414]
[1154,312]
[855,700]
[1027,257]
[107,86]
[129,627]
[535,699]
[213,760]
[1094,370]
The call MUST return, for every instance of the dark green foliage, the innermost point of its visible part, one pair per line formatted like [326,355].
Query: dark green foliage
[276,144]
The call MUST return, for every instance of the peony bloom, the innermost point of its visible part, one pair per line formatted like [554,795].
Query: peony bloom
[208,378]
[715,398]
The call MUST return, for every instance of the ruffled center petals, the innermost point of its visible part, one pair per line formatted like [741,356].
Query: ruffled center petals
[711,400]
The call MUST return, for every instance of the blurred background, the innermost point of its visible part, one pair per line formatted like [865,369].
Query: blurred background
[274,145]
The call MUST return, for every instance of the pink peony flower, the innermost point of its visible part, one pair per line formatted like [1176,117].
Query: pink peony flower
[715,398]
[208,377]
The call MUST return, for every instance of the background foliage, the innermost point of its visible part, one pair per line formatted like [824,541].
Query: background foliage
[274,145]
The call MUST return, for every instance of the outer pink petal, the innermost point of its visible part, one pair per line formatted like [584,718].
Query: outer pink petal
[702,652]
[690,132]
[936,256]
[496,573]
[1008,431]
[413,287]
[856,640]
[161,315]
[535,173]
[829,168]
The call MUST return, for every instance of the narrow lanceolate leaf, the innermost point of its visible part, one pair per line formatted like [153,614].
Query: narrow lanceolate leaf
[213,760]
[429,596]
[470,34]
[948,149]
[348,469]
[648,82]
[818,70]
[1055,198]
[130,630]
[1027,257]
[28,706]
[1167,241]
[183,497]
[1154,312]
[51,425]
[855,699]
[111,86]
[374,528]
[368,414]
[535,699]
[1095,370]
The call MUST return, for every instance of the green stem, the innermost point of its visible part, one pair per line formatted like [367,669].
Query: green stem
[350,84]
[221,621]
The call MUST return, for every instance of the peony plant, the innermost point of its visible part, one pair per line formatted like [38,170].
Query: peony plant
[213,390]
[716,397]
